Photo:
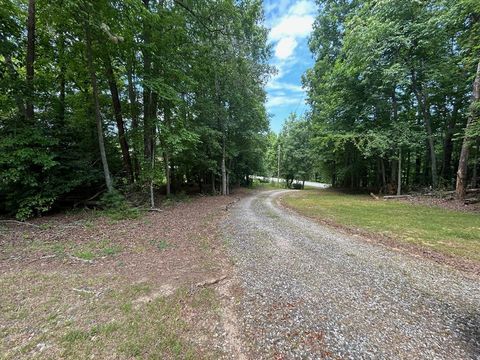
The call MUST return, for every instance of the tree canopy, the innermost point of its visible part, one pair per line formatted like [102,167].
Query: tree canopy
[390,91]
[103,95]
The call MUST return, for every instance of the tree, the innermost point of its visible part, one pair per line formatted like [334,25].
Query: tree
[164,94]
[29,111]
[296,153]
[464,154]
[383,71]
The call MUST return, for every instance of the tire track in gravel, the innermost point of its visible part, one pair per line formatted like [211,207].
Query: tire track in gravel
[310,292]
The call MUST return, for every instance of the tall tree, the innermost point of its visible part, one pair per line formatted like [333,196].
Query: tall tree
[30,86]
[464,154]
[96,105]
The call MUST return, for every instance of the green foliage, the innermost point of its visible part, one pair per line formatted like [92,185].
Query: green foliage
[188,79]
[116,207]
[391,78]
[160,244]
[296,150]
[113,200]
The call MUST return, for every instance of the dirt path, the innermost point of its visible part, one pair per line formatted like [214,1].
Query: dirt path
[310,292]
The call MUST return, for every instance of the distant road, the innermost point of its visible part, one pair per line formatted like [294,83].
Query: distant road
[307,183]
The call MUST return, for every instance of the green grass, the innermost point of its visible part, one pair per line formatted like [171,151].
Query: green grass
[96,249]
[84,326]
[87,250]
[446,231]
[160,244]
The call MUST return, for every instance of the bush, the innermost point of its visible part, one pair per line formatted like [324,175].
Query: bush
[116,207]
[113,200]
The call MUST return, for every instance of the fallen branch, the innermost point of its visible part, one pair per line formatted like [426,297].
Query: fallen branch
[80,259]
[392,197]
[18,222]
[374,196]
[150,209]
[85,291]
[471,201]
[211,281]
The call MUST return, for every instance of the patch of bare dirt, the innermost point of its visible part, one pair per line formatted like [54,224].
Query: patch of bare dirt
[164,247]
[156,255]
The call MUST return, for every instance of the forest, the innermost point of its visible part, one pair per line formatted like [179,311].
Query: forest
[394,96]
[120,97]
[102,99]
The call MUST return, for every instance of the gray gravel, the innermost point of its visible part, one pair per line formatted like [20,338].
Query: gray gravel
[310,292]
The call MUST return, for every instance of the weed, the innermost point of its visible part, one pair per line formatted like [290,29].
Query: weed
[160,244]
[85,255]
[76,335]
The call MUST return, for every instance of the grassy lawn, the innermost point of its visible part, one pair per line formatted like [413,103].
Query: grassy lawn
[445,231]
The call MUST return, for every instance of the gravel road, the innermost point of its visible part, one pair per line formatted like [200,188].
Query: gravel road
[310,292]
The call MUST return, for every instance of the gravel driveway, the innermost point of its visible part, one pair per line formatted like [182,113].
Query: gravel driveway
[310,292]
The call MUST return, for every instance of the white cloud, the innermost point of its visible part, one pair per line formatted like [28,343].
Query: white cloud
[303,7]
[274,101]
[279,85]
[284,66]
[275,5]
[292,26]
[285,47]
[297,21]
[291,23]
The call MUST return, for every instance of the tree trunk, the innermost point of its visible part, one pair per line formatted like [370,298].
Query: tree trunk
[228,184]
[448,145]
[424,111]
[384,177]
[117,110]
[134,116]
[224,170]
[433,159]
[147,93]
[62,65]
[399,172]
[475,165]
[98,117]
[278,166]
[167,172]
[463,162]
[334,174]
[393,175]
[407,177]
[29,112]
[214,190]
[152,195]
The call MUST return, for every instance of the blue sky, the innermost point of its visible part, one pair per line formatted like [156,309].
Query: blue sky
[290,23]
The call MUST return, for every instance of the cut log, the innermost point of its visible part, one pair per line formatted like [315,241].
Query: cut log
[471,201]
[392,197]
[374,196]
